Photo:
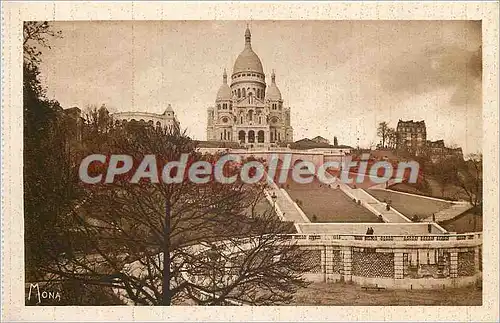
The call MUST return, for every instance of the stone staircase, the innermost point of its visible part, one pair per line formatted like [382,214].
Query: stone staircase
[286,208]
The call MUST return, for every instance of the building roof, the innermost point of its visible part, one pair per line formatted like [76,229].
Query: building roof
[411,122]
[320,138]
[248,59]
[217,144]
[74,112]
[168,109]
[307,143]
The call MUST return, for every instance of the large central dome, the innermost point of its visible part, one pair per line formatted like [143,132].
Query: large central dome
[248,60]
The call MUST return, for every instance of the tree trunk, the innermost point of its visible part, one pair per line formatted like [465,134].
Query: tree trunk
[167,296]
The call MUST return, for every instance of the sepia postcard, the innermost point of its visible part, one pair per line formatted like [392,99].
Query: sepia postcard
[217,161]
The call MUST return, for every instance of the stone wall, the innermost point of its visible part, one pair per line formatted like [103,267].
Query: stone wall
[466,265]
[395,263]
[368,262]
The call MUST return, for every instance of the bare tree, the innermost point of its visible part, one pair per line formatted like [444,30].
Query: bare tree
[35,34]
[445,172]
[391,138]
[382,132]
[470,178]
[156,243]
[98,120]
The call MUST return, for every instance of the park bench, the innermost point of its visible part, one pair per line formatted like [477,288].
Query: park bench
[372,287]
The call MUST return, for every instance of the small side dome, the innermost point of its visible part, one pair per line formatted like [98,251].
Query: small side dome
[224,92]
[168,109]
[273,93]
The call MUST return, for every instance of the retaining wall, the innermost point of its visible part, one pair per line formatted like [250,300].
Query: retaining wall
[395,262]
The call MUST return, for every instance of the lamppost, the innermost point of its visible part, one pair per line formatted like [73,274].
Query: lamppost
[213,255]
[274,198]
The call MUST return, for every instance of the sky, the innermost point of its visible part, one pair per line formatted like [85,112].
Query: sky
[340,78]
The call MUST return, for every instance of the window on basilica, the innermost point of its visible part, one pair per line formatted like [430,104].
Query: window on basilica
[260,136]
[241,136]
[251,136]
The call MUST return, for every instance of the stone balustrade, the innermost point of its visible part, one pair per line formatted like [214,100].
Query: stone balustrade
[395,261]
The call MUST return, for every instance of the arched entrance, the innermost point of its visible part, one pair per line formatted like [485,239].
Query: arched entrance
[251,136]
[260,136]
[241,136]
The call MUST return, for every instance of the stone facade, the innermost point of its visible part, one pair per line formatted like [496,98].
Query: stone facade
[411,136]
[244,111]
[167,118]
[438,151]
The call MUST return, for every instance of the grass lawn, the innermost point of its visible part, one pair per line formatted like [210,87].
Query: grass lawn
[433,190]
[346,295]
[465,222]
[327,204]
[410,205]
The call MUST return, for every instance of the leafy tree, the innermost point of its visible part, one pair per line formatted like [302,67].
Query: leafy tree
[49,180]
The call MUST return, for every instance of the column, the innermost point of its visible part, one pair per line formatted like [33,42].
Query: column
[323,262]
[328,263]
[453,264]
[398,264]
[347,262]
[477,265]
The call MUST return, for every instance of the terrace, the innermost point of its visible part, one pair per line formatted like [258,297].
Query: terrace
[378,228]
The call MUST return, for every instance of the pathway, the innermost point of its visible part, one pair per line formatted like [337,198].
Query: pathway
[456,208]
[286,208]
[447,214]
[374,205]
